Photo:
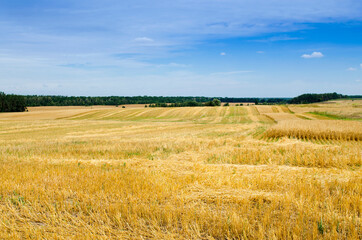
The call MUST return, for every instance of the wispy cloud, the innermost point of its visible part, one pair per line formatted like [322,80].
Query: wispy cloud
[177,25]
[174,65]
[222,54]
[351,69]
[277,38]
[143,39]
[231,72]
[75,65]
[313,55]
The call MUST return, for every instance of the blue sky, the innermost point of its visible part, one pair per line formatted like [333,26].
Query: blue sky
[244,48]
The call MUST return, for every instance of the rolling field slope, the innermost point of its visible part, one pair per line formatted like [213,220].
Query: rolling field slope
[193,114]
[251,172]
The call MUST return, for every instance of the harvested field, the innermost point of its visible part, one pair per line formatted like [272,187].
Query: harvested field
[238,172]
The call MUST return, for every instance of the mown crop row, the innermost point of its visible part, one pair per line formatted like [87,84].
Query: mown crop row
[317,130]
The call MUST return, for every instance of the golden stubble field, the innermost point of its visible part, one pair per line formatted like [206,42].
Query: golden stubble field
[251,172]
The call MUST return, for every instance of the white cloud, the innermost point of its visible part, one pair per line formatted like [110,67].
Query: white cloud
[313,55]
[222,53]
[143,39]
[351,69]
[360,65]
[260,52]
[358,80]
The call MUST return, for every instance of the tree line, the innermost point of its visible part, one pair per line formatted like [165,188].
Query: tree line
[35,100]
[12,103]
[17,103]
[213,103]
[314,98]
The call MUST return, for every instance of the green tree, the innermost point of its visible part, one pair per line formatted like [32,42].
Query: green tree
[12,103]
[216,102]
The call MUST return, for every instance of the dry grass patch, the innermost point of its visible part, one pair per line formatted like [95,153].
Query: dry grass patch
[350,109]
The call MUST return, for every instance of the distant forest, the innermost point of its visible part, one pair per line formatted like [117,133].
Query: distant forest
[12,103]
[313,98]
[213,103]
[34,100]
[17,103]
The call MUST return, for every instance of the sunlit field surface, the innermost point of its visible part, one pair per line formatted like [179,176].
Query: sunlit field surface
[250,172]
